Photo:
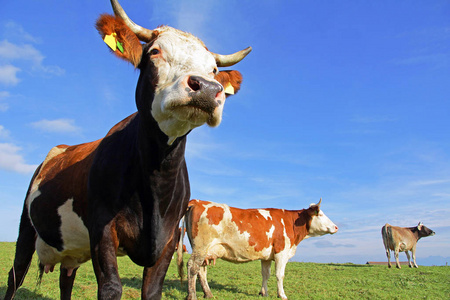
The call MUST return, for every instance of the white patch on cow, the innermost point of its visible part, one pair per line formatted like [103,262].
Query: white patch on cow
[321,225]
[182,55]
[74,233]
[271,231]
[265,213]
[75,238]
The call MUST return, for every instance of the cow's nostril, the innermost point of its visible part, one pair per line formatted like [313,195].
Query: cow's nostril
[194,83]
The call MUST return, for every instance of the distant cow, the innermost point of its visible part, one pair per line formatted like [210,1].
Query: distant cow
[125,194]
[403,239]
[242,235]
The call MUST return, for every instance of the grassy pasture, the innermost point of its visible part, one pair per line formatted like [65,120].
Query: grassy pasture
[230,281]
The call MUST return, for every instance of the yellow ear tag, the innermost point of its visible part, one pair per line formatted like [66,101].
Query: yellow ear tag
[229,89]
[110,40]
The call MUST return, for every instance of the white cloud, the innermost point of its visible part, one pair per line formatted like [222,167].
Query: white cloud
[10,51]
[8,75]
[57,126]
[25,54]
[11,160]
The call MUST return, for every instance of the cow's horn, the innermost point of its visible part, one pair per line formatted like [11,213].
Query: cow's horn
[231,59]
[318,204]
[142,33]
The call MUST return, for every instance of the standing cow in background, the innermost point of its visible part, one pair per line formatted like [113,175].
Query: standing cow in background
[126,193]
[403,239]
[242,235]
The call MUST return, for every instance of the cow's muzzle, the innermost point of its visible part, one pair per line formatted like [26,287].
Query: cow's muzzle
[205,94]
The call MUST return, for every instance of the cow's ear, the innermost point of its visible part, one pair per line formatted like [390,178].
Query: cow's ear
[230,80]
[313,210]
[120,39]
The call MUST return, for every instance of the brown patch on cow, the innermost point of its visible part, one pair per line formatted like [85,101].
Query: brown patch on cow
[107,24]
[251,221]
[215,215]
[230,77]
[302,223]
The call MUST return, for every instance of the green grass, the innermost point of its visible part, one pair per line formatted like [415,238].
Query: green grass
[230,281]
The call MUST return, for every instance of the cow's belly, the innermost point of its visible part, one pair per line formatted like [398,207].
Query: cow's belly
[238,254]
[69,258]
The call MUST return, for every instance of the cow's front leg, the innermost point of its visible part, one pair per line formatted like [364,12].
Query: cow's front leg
[104,260]
[265,272]
[280,266]
[409,258]
[413,251]
[153,278]
[66,279]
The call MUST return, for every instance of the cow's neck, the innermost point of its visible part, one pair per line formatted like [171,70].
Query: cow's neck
[163,167]
[302,222]
[415,233]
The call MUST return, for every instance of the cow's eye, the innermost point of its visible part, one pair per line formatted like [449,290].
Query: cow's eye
[154,51]
[215,71]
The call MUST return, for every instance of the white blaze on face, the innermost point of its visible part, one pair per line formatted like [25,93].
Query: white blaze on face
[321,225]
[181,55]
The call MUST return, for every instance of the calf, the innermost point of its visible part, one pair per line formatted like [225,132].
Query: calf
[242,235]
[403,239]
[125,194]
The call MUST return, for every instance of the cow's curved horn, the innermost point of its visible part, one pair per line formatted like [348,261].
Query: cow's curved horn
[318,204]
[142,33]
[231,59]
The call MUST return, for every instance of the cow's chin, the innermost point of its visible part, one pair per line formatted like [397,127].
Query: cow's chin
[179,121]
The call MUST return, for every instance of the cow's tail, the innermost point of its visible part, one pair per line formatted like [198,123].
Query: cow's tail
[386,234]
[25,247]
[180,264]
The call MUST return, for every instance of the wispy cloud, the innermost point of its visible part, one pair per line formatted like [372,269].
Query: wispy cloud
[12,160]
[328,244]
[4,133]
[371,119]
[436,60]
[57,126]
[15,31]
[3,95]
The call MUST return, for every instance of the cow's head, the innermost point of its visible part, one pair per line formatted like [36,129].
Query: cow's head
[424,231]
[180,85]
[320,224]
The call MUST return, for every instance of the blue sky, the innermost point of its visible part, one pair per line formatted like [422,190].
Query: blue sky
[344,100]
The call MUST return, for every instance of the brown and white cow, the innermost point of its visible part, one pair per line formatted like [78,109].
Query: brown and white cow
[242,235]
[126,193]
[403,239]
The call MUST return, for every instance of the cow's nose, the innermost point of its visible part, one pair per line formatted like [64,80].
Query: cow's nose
[203,86]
